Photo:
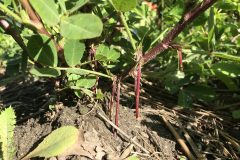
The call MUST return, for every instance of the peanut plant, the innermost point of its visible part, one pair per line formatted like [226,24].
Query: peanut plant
[84,41]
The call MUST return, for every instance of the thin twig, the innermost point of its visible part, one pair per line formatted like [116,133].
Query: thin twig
[34,18]
[190,140]
[128,31]
[178,138]
[232,141]
[118,101]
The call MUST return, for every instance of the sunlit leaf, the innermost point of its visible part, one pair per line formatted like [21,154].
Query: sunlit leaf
[56,143]
[86,82]
[81,26]
[227,56]
[105,53]
[229,69]
[124,5]
[47,10]
[73,52]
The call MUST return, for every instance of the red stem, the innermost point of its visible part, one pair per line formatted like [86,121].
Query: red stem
[179,51]
[180,26]
[112,98]
[137,92]
[166,42]
[117,102]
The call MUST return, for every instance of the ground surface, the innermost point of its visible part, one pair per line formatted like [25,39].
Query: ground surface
[35,120]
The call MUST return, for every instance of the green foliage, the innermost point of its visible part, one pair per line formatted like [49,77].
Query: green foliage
[86,82]
[55,143]
[42,49]
[47,10]
[45,72]
[97,39]
[7,121]
[78,27]
[73,52]
[104,53]
[123,5]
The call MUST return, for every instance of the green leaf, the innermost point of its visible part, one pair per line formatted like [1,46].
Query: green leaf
[7,2]
[47,10]
[42,49]
[73,52]
[105,53]
[62,5]
[79,92]
[178,9]
[7,121]
[226,5]
[81,26]
[56,143]
[86,82]
[227,56]
[211,29]
[227,81]
[87,92]
[201,92]
[230,69]
[124,5]
[45,72]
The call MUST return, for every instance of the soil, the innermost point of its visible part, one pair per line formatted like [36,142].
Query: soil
[35,121]
[39,112]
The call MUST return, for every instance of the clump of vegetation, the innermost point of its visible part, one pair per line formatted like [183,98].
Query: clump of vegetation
[188,48]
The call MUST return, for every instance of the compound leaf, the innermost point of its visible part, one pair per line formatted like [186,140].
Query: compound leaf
[42,49]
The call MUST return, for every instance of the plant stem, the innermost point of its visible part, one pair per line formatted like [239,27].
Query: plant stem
[4,9]
[128,31]
[112,98]
[166,42]
[78,70]
[179,27]
[137,92]
[117,101]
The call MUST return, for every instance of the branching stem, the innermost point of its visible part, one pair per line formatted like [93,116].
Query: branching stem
[166,42]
